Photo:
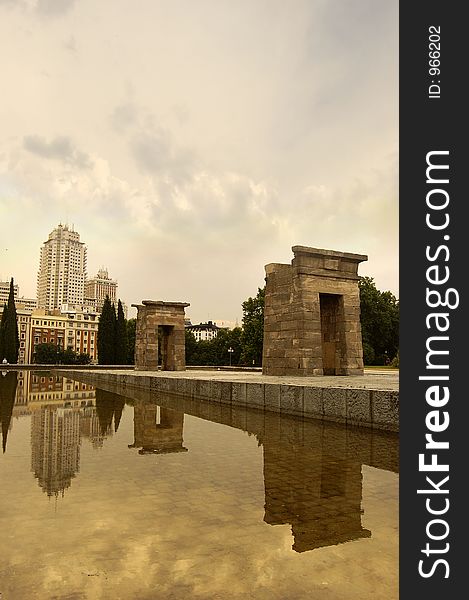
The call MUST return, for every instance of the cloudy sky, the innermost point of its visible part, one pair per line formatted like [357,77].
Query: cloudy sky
[192,142]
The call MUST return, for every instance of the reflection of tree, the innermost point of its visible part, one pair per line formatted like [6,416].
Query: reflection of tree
[109,406]
[8,384]
[90,427]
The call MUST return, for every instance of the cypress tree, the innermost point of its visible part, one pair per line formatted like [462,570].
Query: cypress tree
[9,336]
[114,329]
[107,334]
[2,329]
[121,336]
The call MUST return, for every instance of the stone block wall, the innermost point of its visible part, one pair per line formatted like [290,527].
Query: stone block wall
[312,315]
[169,316]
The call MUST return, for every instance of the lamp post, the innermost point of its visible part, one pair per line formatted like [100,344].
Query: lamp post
[230,350]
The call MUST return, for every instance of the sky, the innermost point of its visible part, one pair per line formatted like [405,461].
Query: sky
[192,143]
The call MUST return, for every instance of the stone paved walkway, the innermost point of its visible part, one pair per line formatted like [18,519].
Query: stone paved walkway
[371,380]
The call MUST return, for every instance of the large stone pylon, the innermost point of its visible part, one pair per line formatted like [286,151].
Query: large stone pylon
[312,314]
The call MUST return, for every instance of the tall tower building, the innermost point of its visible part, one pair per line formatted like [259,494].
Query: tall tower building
[97,288]
[62,269]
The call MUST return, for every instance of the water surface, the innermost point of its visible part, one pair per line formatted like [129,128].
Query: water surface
[142,497]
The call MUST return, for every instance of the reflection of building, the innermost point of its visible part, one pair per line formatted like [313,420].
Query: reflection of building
[47,389]
[62,412]
[55,447]
[312,469]
[62,269]
[21,398]
[318,492]
[157,430]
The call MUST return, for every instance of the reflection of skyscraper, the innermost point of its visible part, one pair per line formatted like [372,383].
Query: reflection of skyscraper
[21,398]
[91,428]
[55,447]
[157,430]
[314,487]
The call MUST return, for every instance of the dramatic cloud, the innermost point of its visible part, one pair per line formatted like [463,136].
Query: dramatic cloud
[54,7]
[60,148]
[192,145]
[43,7]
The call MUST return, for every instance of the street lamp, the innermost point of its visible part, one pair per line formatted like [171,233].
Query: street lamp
[230,350]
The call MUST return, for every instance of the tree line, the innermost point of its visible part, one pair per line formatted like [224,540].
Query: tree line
[52,354]
[379,317]
[113,339]
[245,342]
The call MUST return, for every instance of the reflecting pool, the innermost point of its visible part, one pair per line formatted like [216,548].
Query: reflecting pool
[134,496]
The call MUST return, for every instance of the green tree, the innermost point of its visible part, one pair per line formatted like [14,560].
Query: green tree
[107,334]
[379,317]
[83,359]
[47,354]
[214,352]
[253,329]
[121,345]
[8,385]
[206,353]
[2,329]
[67,357]
[50,354]
[227,338]
[9,336]
[191,348]
[131,325]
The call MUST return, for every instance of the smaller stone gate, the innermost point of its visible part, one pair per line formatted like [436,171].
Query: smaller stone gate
[160,334]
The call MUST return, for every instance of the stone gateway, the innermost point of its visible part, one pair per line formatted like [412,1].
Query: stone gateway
[312,315]
[160,324]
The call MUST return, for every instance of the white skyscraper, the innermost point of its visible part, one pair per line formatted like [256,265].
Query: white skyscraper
[97,288]
[62,269]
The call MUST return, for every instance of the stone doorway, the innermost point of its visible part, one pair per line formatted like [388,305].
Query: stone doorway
[166,357]
[160,336]
[331,310]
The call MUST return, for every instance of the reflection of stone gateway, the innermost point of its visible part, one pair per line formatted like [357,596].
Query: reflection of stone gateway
[314,487]
[157,430]
[312,315]
[166,318]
